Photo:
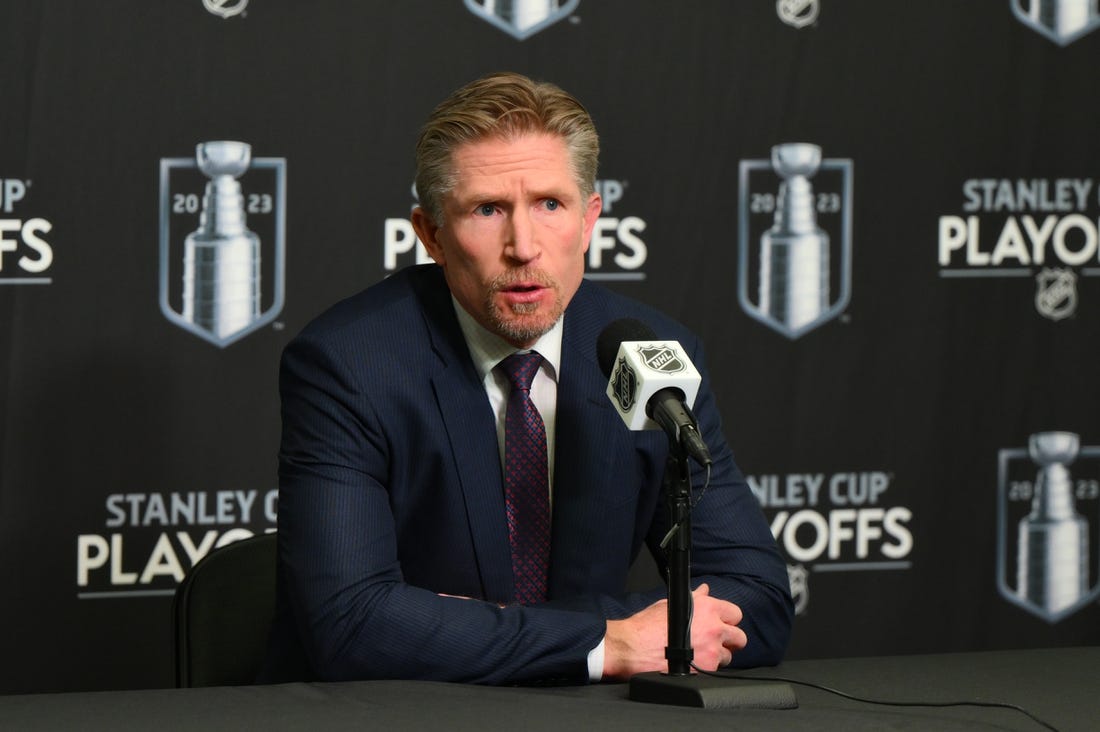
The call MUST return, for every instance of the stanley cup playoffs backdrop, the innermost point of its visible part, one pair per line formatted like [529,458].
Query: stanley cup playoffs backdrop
[881,217]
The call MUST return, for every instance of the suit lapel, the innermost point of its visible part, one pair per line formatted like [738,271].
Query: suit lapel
[471,433]
[586,443]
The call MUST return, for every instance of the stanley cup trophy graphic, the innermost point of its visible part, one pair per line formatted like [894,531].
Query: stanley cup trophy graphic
[522,18]
[221,261]
[1063,21]
[794,252]
[1053,551]
[523,13]
[1062,17]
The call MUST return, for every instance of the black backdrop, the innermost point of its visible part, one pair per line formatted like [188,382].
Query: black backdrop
[887,435]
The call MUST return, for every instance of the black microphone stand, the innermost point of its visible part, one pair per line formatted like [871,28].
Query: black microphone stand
[679,686]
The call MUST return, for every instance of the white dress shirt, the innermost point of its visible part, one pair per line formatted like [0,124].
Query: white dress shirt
[487,350]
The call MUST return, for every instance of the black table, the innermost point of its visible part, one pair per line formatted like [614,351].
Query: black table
[1057,685]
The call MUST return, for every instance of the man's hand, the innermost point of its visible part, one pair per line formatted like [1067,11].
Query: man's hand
[637,644]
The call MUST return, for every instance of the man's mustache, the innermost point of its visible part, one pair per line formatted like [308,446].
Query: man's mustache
[524,275]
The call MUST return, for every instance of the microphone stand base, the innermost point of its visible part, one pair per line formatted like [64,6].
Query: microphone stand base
[711,692]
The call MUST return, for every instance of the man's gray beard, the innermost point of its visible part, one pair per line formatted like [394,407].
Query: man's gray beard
[521,332]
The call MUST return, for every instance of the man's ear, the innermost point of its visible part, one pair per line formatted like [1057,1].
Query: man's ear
[591,215]
[428,232]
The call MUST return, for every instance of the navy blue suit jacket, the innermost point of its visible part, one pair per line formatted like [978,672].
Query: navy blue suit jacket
[391,496]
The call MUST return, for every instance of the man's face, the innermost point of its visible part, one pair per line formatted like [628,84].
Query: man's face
[515,230]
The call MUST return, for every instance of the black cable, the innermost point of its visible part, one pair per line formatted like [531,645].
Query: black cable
[837,692]
[820,687]
[702,491]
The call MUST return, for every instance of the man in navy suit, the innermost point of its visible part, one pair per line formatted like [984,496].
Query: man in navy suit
[395,552]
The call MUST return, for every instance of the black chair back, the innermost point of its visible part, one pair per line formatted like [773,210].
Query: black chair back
[222,612]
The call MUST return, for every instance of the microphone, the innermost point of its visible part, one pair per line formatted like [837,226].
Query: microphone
[651,383]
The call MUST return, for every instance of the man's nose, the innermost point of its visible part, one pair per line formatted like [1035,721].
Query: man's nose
[522,244]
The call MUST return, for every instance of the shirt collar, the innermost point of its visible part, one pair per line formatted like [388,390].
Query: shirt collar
[488,349]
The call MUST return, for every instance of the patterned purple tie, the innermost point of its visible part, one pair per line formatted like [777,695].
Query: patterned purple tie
[526,485]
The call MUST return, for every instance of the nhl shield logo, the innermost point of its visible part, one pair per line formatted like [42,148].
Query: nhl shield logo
[795,238]
[1048,511]
[799,13]
[222,241]
[1056,293]
[624,385]
[1062,21]
[661,359]
[225,8]
[522,18]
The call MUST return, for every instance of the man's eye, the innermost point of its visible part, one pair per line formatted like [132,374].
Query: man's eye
[552,204]
[486,209]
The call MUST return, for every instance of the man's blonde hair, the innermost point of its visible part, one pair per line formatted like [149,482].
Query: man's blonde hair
[501,105]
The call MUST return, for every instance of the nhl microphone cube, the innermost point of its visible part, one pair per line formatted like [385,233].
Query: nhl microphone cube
[642,368]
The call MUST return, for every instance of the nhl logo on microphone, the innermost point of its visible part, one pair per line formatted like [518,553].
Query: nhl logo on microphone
[624,385]
[662,359]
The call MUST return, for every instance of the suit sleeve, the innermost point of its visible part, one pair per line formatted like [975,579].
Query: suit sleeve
[355,615]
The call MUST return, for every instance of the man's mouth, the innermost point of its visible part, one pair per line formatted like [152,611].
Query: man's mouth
[523,292]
